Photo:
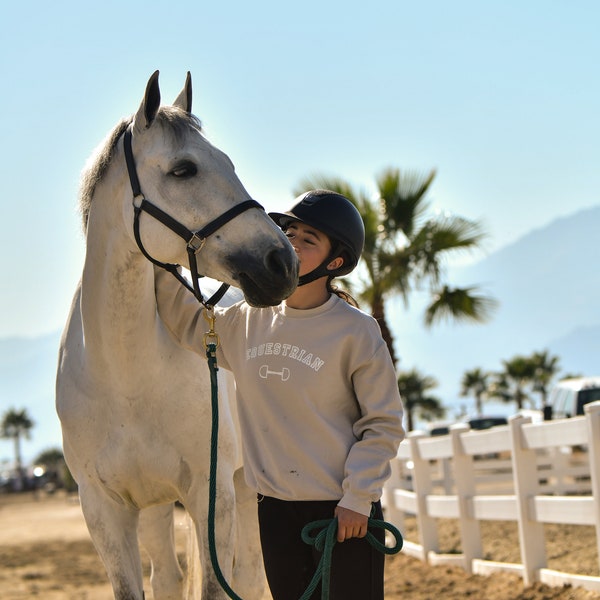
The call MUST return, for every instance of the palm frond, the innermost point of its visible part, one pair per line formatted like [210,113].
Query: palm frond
[454,233]
[460,304]
[403,199]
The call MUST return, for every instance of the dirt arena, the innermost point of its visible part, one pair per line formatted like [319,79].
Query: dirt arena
[45,552]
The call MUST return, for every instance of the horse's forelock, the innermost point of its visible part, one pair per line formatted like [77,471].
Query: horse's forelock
[177,121]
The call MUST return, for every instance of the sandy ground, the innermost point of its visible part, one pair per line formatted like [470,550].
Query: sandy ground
[45,552]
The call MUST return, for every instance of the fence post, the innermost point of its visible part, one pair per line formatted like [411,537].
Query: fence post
[531,533]
[592,413]
[447,479]
[392,513]
[464,479]
[423,486]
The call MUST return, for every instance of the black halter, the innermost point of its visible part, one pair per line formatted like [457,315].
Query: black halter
[194,239]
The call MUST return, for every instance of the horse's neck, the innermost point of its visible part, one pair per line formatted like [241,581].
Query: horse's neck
[118,305]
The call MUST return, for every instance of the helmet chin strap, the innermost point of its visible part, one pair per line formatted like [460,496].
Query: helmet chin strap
[317,273]
[321,270]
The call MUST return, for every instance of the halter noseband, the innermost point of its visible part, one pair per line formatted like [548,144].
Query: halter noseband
[194,239]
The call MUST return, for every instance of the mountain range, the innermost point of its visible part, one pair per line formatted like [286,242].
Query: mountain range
[547,285]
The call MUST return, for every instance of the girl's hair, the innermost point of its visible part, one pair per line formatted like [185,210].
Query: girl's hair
[339,250]
[334,289]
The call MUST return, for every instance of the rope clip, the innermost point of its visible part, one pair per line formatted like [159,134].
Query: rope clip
[211,337]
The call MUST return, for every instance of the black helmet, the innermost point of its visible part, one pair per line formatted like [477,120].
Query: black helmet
[335,216]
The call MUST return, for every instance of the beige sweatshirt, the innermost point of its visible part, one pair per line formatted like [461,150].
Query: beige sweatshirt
[318,401]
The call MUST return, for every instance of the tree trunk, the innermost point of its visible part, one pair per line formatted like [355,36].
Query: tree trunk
[409,418]
[519,397]
[19,462]
[478,404]
[378,312]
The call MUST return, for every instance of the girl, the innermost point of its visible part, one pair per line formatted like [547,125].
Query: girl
[318,401]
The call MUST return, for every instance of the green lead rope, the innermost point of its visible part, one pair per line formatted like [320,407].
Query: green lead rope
[320,534]
[324,541]
[211,354]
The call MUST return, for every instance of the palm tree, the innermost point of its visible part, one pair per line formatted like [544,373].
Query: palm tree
[475,382]
[414,389]
[545,367]
[510,384]
[53,468]
[51,458]
[406,248]
[16,423]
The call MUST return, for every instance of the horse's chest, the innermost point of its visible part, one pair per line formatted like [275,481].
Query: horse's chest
[142,432]
[142,462]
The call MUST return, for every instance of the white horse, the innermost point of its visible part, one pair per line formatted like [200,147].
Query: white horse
[134,406]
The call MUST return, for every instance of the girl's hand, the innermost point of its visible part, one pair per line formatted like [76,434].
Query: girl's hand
[350,524]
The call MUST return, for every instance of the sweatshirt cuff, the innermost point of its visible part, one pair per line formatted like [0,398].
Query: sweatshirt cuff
[360,505]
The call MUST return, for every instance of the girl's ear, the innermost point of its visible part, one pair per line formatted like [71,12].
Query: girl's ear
[336,263]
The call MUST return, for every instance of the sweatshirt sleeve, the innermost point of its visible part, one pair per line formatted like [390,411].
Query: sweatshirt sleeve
[378,431]
[179,311]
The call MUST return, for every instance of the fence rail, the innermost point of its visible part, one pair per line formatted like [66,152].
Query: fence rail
[529,473]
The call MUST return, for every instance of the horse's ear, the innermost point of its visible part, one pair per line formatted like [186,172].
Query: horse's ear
[150,104]
[184,100]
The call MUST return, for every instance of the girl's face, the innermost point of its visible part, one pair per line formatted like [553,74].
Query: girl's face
[311,245]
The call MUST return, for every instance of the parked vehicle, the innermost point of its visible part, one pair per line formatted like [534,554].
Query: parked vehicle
[476,423]
[439,428]
[485,422]
[569,396]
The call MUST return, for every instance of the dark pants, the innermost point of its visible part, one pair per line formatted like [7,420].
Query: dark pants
[356,567]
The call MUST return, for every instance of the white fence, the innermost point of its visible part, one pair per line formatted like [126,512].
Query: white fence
[523,472]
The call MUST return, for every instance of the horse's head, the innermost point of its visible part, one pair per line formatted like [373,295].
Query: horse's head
[194,183]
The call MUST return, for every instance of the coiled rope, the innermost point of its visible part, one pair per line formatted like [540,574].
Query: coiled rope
[324,542]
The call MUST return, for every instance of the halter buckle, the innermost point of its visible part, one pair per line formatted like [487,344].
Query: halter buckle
[196,243]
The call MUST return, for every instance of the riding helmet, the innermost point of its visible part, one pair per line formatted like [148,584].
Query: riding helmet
[335,216]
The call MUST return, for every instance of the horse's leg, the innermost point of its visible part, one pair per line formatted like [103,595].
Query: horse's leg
[157,534]
[225,523]
[113,528]
[249,574]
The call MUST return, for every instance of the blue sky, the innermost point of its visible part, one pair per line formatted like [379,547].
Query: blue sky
[500,97]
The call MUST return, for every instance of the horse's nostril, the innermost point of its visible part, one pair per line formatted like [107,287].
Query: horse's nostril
[279,262]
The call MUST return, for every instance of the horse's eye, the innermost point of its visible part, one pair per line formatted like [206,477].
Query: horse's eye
[184,170]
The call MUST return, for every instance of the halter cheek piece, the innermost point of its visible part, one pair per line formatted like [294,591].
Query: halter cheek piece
[194,239]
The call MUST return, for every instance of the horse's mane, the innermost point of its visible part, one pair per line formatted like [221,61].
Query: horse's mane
[96,168]
[177,121]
